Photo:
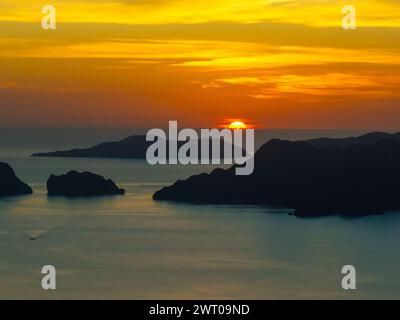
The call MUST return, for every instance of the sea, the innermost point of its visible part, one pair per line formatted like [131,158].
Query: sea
[131,247]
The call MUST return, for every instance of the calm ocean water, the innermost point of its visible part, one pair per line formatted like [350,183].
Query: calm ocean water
[131,247]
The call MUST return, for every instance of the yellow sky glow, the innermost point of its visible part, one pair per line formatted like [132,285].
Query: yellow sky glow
[279,63]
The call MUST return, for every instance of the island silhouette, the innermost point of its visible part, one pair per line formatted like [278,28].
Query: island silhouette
[133,147]
[81,184]
[10,184]
[351,176]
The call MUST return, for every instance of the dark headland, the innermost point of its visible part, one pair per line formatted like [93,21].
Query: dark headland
[354,176]
[81,184]
[133,147]
[10,184]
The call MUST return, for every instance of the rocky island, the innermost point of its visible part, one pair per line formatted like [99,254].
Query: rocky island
[81,184]
[354,176]
[10,184]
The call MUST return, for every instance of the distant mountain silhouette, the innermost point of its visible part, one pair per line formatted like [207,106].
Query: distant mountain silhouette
[369,138]
[10,185]
[353,176]
[76,184]
[133,147]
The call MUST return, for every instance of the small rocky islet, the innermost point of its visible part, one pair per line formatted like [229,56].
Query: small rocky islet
[81,184]
[72,184]
[10,184]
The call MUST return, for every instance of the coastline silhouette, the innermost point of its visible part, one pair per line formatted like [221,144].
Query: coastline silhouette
[347,176]
[353,176]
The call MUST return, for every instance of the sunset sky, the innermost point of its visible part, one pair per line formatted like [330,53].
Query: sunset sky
[140,63]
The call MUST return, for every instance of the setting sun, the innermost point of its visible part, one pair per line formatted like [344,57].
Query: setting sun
[237,125]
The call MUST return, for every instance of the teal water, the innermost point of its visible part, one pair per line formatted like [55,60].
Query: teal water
[131,247]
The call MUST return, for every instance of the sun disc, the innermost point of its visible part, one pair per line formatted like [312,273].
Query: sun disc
[237,125]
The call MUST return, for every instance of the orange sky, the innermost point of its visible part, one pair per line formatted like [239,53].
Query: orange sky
[277,64]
